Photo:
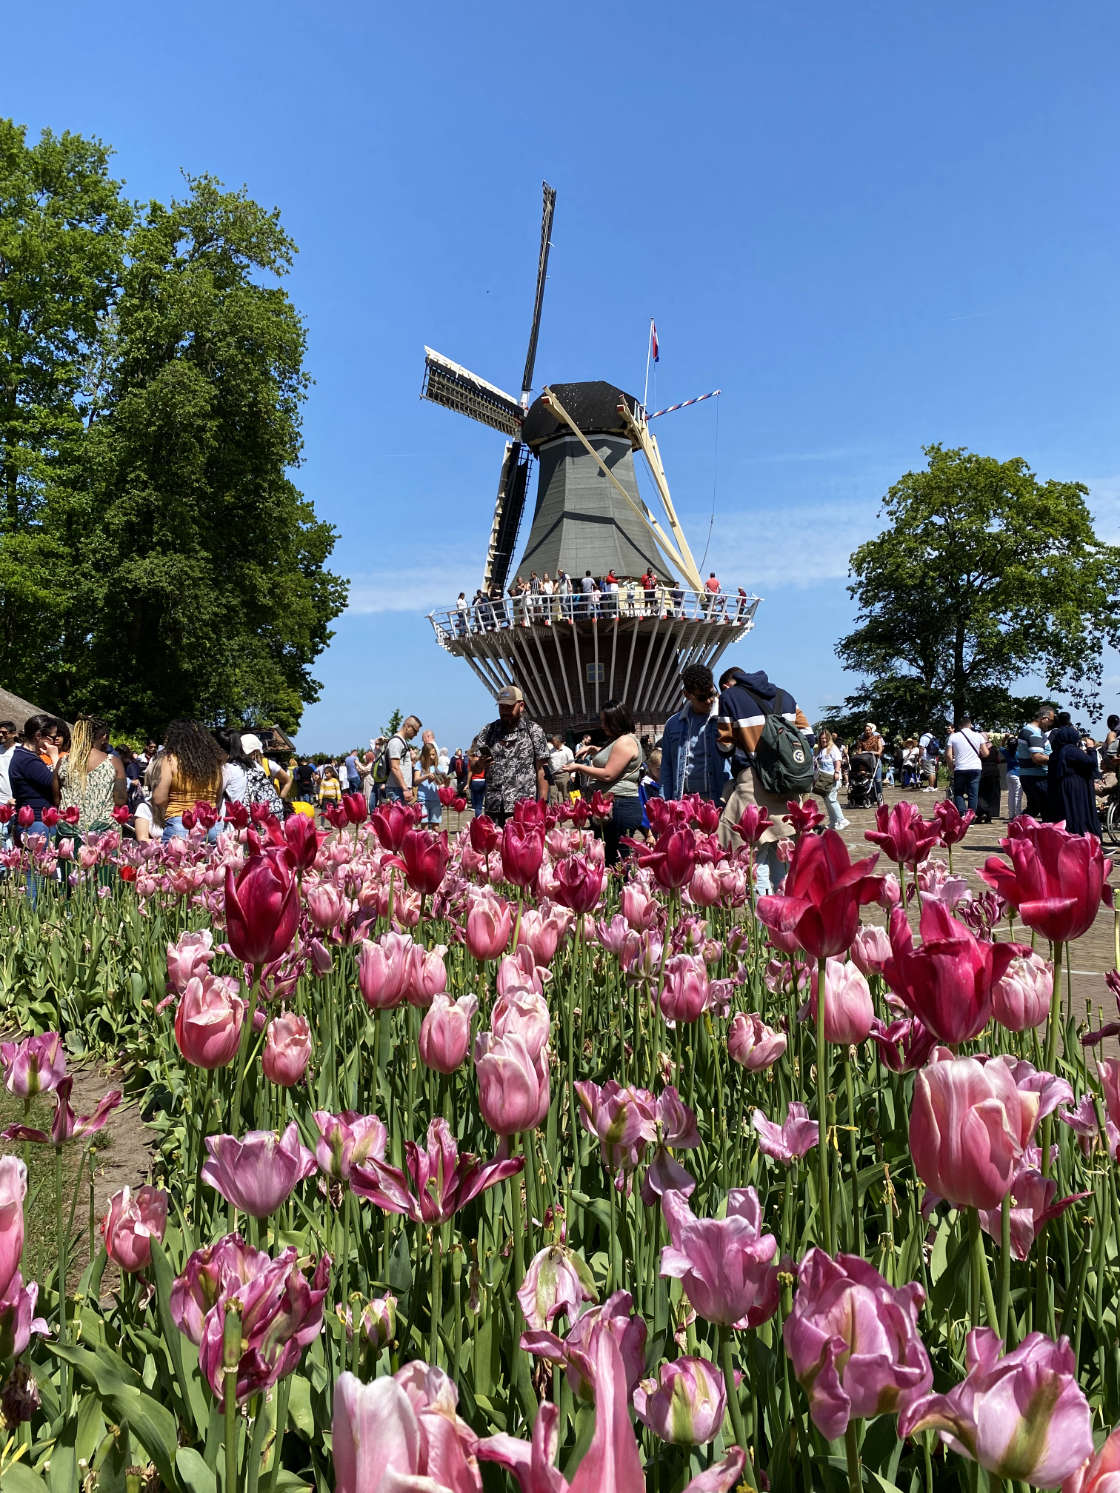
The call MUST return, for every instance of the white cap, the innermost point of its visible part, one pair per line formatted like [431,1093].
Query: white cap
[251,744]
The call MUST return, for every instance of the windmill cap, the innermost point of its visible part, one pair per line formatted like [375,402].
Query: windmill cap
[511,695]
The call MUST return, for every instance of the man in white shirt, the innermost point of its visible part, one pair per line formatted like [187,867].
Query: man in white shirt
[963,752]
[8,738]
[560,760]
[399,784]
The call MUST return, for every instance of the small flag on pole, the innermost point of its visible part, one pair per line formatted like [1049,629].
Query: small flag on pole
[654,347]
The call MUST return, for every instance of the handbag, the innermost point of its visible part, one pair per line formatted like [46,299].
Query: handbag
[823,783]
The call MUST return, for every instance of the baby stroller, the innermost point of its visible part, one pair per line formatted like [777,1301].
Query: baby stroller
[861,783]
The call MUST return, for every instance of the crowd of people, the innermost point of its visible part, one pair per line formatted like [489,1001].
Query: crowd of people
[54,776]
[564,598]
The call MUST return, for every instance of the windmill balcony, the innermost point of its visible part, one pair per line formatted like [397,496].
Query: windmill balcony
[571,653]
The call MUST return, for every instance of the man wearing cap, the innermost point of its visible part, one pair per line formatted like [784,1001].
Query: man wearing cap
[872,742]
[513,750]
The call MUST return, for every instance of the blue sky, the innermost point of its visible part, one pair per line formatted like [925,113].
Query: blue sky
[874,226]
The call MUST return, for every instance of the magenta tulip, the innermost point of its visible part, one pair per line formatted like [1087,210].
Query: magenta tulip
[753,1044]
[436,1182]
[1020,1415]
[208,1021]
[301,841]
[904,1044]
[789,1141]
[1056,882]
[18,1320]
[259,1172]
[853,1341]
[821,896]
[13,1190]
[522,853]
[287,1049]
[685,1405]
[347,1140]
[445,1032]
[724,1264]
[134,1219]
[947,981]
[513,1086]
[952,825]
[66,1125]
[262,908]
[37,1065]
[484,834]
[391,822]
[579,882]
[489,925]
[902,834]
[424,855]
[969,1126]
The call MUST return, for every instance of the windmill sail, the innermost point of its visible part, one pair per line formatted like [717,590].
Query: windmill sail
[457,388]
[508,509]
[538,300]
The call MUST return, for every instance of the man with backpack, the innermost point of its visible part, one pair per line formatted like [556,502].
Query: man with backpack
[392,772]
[762,729]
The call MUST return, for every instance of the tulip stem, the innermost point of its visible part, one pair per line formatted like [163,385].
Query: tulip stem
[243,1057]
[734,1406]
[63,1270]
[1052,1031]
[851,1452]
[981,1279]
[231,1353]
[1004,1265]
[434,1354]
[822,1116]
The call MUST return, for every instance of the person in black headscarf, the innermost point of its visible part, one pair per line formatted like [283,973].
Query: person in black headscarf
[1070,775]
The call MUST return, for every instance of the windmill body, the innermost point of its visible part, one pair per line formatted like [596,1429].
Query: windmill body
[571,652]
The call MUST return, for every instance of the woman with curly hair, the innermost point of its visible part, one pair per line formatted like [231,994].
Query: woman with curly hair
[190,773]
[89,777]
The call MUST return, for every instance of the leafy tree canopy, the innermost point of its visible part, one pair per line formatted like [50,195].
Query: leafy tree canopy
[156,558]
[984,575]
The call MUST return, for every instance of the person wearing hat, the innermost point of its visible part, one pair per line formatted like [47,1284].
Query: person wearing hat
[872,742]
[513,751]
[253,748]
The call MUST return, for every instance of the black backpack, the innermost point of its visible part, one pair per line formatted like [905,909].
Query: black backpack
[783,759]
[381,766]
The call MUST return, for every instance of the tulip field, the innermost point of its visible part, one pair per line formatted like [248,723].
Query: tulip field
[473,1165]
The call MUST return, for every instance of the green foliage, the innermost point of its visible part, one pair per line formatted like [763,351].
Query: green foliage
[983,575]
[394,722]
[156,558]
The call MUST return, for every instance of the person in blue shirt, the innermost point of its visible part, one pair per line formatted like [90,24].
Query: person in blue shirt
[690,759]
[1033,752]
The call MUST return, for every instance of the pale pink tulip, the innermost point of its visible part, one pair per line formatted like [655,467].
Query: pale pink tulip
[445,1032]
[134,1219]
[287,1049]
[753,1044]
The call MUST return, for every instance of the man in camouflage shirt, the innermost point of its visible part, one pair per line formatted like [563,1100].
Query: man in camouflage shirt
[514,751]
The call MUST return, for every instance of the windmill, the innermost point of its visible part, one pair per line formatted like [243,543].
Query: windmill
[570,654]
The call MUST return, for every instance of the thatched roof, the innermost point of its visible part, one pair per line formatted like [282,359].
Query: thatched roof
[12,708]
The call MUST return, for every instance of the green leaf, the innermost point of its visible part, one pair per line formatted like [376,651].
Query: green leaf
[151,1423]
[19,1478]
[195,1475]
[188,1379]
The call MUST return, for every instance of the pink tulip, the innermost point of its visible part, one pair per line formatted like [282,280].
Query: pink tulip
[853,1341]
[686,990]
[640,909]
[66,1125]
[686,1403]
[445,1032]
[287,1049]
[753,1044]
[325,905]
[377,1320]
[753,824]
[211,1274]
[262,908]
[189,958]
[513,1086]
[489,925]
[848,1012]
[542,929]
[259,1172]
[557,1281]
[18,1320]
[34,1066]
[400,1433]
[705,890]
[723,1263]
[208,1021]
[969,1126]
[522,852]
[946,982]
[424,855]
[519,971]
[789,1141]
[426,974]
[348,1140]
[871,948]
[952,825]
[1020,1415]
[1057,882]
[1032,1205]
[436,1182]
[573,1352]
[281,1312]
[623,1119]
[523,1014]
[13,1190]
[1021,998]
[384,970]
[134,1219]
[1101,1473]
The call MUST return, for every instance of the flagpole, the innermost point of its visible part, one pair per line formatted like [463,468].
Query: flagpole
[649,352]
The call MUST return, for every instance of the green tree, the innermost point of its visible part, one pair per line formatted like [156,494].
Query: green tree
[156,557]
[983,576]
